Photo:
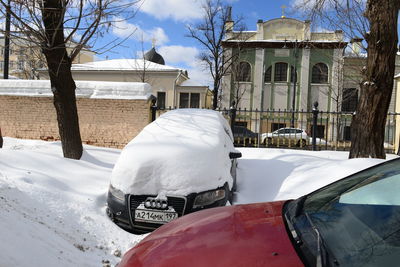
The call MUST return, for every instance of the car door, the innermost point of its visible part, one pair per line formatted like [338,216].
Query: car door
[279,136]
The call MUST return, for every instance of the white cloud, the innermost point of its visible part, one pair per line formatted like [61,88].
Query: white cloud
[124,29]
[179,10]
[175,54]
[185,57]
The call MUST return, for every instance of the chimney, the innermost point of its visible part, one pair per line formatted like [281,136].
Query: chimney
[356,45]
[260,29]
[229,22]
[307,30]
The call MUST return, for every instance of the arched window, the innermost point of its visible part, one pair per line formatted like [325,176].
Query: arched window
[268,75]
[244,72]
[292,74]
[280,72]
[319,73]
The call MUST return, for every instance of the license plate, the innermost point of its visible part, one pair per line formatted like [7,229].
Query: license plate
[153,216]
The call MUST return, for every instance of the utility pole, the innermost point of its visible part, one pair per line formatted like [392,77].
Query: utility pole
[7,42]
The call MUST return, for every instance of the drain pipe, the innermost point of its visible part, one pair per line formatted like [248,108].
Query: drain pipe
[176,79]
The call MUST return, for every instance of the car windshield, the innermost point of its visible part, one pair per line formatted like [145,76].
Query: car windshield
[353,222]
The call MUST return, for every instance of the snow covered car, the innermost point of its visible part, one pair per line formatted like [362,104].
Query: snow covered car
[182,162]
[285,137]
[351,222]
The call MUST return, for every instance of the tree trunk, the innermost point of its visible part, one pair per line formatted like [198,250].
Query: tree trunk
[62,83]
[1,139]
[368,124]
[215,95]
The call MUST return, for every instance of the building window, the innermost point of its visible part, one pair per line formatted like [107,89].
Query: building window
[320,131]
[244,72]
[292,74]
[268,75]
[189,100]
[349,99]
[277,126]
[319,73]
[347,133]
[280,72]
[194,100]
[161,100]
[20,65]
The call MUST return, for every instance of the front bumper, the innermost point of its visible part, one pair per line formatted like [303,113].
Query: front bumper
[122,214]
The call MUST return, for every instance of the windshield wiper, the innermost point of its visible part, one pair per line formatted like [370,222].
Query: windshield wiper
[322,253]
[292,230]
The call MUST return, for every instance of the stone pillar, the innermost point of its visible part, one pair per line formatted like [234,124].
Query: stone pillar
[304,78]
[258,79]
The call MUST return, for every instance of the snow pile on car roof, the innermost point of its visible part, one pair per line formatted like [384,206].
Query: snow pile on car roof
[184,151]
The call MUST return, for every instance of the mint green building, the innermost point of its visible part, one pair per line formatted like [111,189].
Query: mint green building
[282,65]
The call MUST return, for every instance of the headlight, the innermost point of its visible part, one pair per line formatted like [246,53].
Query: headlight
[118,194]
[208,198]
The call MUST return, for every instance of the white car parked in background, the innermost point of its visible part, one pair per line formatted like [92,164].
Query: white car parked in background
[286,137]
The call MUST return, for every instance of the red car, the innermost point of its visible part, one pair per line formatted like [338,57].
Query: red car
[352,222]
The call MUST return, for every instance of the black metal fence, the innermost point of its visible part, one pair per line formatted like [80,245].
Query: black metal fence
[316,130]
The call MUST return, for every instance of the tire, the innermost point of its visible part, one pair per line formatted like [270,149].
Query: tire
[302,143]
[268,141]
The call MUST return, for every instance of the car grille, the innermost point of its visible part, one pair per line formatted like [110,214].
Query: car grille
[178,203]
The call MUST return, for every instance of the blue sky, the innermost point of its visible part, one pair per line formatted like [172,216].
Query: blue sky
[165,21]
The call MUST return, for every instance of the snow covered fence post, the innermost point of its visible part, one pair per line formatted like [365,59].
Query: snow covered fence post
[153,108]
[315,112]
[232,115]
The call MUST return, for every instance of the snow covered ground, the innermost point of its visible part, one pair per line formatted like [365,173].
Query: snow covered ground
[52,210]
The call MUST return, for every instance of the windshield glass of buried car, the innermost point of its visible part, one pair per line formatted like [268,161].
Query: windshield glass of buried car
[355,221]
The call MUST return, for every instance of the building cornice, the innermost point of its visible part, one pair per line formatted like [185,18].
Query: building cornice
[281,44]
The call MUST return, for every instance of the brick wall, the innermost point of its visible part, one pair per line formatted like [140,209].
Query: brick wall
[103,122]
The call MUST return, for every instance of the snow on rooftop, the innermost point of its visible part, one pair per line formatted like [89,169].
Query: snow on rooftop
[122,64]
[184,151]
[87,89]
[190,83]
[397,76]
[9,77]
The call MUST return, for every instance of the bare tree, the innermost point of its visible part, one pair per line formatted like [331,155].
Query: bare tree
[376,21]
[51,25]
[210,33]
[142,64]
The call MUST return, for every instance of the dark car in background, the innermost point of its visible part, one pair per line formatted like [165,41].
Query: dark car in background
[244,136]
[182,162]
[352,222]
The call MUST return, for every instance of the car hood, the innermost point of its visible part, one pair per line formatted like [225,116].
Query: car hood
[241,235]
[180,153]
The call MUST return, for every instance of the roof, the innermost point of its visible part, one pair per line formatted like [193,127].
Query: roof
[122,64]
[279,44]
[85,89]
[192,83]
[9,77]
[397,76]
[155,57]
